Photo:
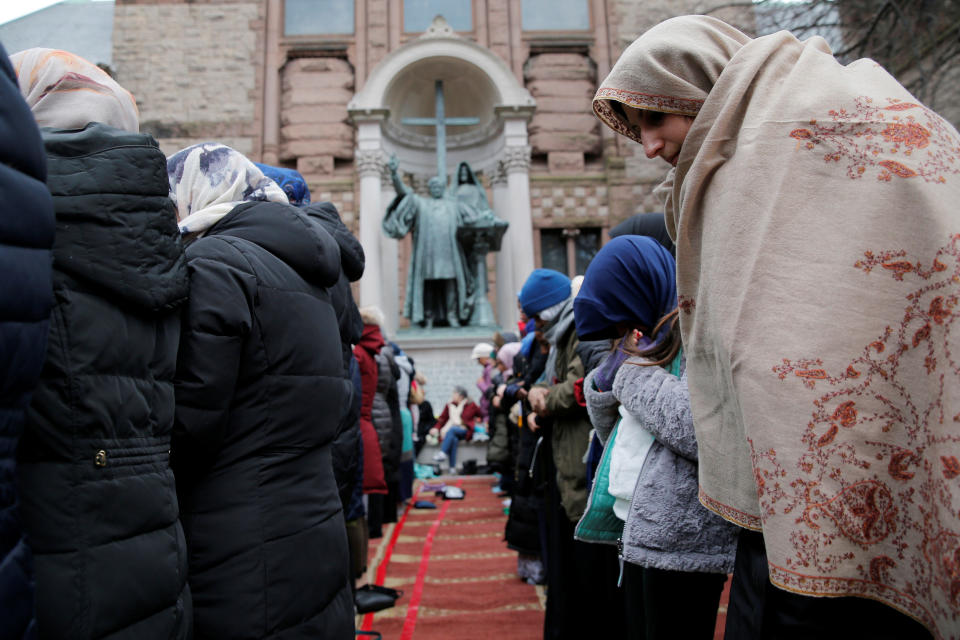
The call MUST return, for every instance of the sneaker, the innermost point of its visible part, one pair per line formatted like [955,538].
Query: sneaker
[439,456]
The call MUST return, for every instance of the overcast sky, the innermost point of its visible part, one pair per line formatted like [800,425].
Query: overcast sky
[13,9]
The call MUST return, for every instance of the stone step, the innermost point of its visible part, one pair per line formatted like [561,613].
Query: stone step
[468,450]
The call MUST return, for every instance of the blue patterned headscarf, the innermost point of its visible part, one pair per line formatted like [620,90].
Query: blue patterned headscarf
[290,181]
[631,281]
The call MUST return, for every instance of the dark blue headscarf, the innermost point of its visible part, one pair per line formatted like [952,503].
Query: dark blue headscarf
[290,181]
[631,281]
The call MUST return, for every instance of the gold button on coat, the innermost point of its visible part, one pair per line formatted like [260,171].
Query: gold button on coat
[101,458]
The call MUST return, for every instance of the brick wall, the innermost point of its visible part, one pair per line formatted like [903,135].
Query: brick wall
[193,69]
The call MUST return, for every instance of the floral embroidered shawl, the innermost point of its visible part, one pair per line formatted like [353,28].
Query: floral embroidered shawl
[67,92]
[814,207]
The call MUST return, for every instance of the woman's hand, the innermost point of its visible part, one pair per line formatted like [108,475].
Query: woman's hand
[532,422]
[538,399]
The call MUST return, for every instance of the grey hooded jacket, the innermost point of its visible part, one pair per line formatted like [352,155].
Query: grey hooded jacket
[667,527]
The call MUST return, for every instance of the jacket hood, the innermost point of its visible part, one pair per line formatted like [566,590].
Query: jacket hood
[559,327]
[352,258]
[116,226]
[372,338]
[651,225]
[283,230]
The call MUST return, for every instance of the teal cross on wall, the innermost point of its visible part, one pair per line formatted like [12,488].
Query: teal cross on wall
[440,122]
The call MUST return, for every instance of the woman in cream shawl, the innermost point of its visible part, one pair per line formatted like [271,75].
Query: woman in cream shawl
[818,248]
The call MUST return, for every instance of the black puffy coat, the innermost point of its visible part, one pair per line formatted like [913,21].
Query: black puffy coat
[259,393]
[386,414]
[346,450]
[26,295]
[99,501]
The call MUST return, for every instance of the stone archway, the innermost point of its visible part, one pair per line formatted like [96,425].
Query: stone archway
[482,84]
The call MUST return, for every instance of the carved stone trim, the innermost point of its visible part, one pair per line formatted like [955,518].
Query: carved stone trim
[498,175]
[439,28]
[369,163]
[517,159]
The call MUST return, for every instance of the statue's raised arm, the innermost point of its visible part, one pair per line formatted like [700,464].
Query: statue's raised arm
[398,184]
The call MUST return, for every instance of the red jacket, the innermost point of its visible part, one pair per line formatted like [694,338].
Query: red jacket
[468,417]
[370,344]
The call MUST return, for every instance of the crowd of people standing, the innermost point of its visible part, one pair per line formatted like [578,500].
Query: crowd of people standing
[201,430]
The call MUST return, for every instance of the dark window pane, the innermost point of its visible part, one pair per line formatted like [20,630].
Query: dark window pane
[586,243]
[553,250]
[418,14]
[555,15]
[314,17]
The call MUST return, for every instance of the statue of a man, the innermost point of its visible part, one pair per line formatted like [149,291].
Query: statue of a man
[439,281]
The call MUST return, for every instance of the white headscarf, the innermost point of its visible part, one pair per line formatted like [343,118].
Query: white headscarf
[67,92]
[208,180]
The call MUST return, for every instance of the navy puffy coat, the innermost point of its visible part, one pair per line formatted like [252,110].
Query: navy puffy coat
[26,294]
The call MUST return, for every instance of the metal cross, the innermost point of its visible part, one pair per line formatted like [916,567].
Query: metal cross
[440,122]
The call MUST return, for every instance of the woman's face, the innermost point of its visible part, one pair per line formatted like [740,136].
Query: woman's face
[661,134]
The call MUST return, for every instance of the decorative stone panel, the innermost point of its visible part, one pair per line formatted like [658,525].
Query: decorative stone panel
[563,84]
[313,117]
[560,203]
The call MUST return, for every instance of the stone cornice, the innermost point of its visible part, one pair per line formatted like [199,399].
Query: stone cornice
[368,115]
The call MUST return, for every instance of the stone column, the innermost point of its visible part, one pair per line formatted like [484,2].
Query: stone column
[273,60]
[507,315]
[518,242]
[517,163]
[369,165]
[389,261]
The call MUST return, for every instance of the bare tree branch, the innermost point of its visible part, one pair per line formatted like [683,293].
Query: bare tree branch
[917,40]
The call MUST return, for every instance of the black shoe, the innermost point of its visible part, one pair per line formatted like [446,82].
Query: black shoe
[373,597]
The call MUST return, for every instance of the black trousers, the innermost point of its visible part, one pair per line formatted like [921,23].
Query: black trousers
[671,604]
[375,502]
[583,600]
[758,609]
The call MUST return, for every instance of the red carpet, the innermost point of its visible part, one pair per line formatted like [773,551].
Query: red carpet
[457,575]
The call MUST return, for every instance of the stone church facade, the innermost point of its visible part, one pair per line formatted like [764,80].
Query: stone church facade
[322,86]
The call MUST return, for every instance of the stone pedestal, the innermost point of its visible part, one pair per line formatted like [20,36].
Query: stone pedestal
[442,354]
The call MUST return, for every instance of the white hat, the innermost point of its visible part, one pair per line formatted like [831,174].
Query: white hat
[482,350]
